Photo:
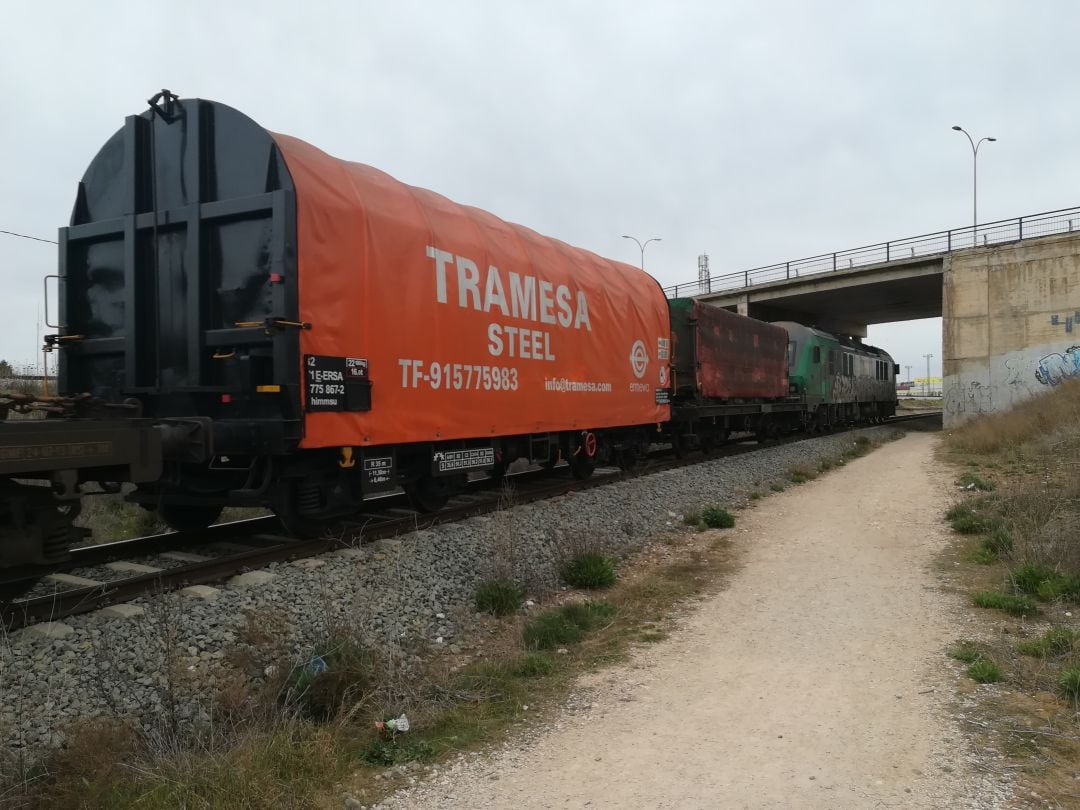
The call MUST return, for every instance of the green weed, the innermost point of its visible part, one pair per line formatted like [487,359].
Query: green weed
[983,670]
[1014,605]
[999,541]
[970,479]
[964,519]
[800,474]
[563,625]
[589,570]
[397,750]
[499,597]
[1069,682]
[716,517]
[967,651]
[534,665]
[1044,582]
[1054,642]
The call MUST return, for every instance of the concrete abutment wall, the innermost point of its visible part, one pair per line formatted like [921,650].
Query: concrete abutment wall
[1011,324]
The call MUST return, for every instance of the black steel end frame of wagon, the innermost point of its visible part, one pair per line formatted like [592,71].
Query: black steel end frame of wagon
[178,291]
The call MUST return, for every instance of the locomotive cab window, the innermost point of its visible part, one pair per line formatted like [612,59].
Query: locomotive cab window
[817,354]
[791,348]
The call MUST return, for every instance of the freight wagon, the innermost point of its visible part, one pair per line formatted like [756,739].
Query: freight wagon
[325,331]
[732,374]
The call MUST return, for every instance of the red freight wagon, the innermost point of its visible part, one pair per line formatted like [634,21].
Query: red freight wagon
[721,355]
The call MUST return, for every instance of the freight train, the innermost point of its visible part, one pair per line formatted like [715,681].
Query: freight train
[246,320]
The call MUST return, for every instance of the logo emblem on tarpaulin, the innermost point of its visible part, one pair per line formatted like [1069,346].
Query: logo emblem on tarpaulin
[639,358]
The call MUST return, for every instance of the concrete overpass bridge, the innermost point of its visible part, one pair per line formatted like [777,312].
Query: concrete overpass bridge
[845,291]
[1008,293]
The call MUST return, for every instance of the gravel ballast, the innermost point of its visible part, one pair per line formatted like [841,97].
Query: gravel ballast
[168,664]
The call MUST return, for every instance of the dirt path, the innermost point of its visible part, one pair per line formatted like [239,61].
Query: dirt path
[815,679]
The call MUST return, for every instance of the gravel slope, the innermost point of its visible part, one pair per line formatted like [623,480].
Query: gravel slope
[411,592]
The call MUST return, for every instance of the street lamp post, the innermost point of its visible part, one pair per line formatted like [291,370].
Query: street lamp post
[926,387]
[974,180]
[642,245]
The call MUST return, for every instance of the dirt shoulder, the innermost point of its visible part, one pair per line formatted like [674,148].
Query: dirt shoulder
[817,678]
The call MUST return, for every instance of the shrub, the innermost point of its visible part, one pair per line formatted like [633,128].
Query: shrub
[589,570]
[567,624]
[1055,641]
[323,684]
[692,518]
[998,541]
[966,651]
[777,487]
[1015,605]
[756,495]
[973,481]
[972,524]
[1029,576]
[983,670]
[1069,681]
[716,517]
[801,474]
[499,597]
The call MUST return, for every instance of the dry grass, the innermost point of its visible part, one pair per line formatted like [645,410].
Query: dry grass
[1030,453]
[110,517]
[1029,429]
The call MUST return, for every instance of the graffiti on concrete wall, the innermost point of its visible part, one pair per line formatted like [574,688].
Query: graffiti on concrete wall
[1017,379]
[973,398]
[1058,366]
[1008,379]
[1066,320]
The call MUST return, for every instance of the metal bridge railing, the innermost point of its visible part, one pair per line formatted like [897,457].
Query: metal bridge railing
[1064,220]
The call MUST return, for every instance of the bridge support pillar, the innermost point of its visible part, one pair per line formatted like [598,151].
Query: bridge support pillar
[742,306]
[1011,323]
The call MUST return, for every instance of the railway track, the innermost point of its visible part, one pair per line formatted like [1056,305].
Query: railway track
[107,574]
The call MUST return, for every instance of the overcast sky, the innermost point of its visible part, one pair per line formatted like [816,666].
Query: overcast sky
[757,132]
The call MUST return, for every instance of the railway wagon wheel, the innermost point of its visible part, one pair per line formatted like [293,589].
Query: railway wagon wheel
[430,494]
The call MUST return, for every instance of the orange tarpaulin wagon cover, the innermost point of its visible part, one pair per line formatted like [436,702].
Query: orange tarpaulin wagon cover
[458,324]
